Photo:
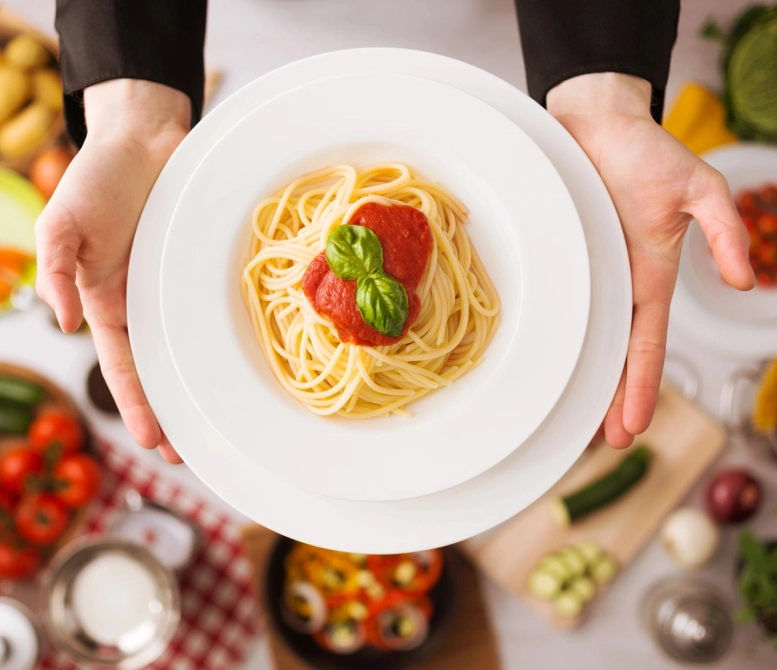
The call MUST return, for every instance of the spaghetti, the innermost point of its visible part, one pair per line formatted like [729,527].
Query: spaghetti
[459,306]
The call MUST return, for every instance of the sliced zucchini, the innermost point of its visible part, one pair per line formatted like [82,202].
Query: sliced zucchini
[584,587]
[575,560]
[557,567]
[543,584]
[590,550]
[568,604]
[604,490]
[604,569]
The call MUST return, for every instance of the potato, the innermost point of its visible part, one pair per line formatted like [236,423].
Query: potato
[14,91]
[26,131]
[47,88]
[26,53]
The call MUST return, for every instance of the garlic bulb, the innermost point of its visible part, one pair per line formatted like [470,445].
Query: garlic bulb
[690,537]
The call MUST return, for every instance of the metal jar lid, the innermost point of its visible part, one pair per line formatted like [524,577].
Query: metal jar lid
[689,619]
[21,643]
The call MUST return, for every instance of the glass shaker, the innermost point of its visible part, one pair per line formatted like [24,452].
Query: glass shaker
[689,620]
[21,642]
[736,406]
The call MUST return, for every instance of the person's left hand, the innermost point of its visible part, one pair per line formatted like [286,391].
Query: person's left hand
[657,186]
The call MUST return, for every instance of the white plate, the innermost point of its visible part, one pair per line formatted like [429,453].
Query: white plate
[741,324]
[522,222]
[459,512]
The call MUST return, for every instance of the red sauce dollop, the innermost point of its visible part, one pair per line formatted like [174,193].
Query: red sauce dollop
[406,239]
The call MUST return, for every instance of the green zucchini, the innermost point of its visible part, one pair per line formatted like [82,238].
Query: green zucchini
[14,420]
[604,570]
[605,490]
[20,391]
[568,604]
[544,584]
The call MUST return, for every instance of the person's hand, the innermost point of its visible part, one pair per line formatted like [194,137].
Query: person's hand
[85,233]
[657,186]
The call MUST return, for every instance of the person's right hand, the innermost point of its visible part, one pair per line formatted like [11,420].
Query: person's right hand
[85,233]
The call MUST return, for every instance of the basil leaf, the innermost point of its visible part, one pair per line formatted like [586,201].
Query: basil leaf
[353,252]
[382,301]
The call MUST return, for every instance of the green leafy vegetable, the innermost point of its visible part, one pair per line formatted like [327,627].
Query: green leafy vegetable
[353,252]
[758,582]
[749,63]
[383,303]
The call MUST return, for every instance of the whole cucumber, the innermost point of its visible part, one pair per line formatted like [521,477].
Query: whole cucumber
[20,391]
[14,420]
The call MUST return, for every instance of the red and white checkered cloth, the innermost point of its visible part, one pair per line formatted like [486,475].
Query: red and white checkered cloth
[220,617]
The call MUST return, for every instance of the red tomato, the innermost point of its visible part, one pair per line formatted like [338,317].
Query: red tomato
[767,223]
[54,427]
[768,194]
[747,200]
[41,519]
[749,222]
[767,252]
[17,562]
[764,278]
[16,467]
[77,478]
[6,516]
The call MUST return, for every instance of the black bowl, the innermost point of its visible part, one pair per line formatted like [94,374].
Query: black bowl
[442,596]
[768,624]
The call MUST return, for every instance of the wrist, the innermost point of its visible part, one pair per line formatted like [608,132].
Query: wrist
[139,113]
[601,94]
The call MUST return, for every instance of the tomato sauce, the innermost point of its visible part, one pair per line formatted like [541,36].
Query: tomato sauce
[406,239]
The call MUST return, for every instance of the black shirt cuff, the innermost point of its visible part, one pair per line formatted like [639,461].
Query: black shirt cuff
[562,39]
[156,40]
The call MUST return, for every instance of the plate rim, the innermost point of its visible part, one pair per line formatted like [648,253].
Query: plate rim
[419,442]
[744,341]
[463,511]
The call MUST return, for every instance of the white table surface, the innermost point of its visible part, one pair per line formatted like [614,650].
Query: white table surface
[247,38]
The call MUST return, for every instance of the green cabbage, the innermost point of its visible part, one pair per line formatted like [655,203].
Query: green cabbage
[750,73]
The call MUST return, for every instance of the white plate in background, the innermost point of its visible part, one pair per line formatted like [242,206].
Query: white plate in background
[737,323]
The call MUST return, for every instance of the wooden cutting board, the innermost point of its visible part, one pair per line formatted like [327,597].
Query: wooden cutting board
[470,644]
[685,442]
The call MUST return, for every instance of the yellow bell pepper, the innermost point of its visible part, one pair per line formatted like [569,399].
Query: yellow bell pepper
[765,411]
[698,120]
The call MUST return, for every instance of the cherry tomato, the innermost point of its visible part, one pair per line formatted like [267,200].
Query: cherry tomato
[747,200]
[17,562]
[749,222]
[768,194]
[16,467]
[41,519]
[55,427]
[766,279]
[767,253]
[77,479]
[767,223]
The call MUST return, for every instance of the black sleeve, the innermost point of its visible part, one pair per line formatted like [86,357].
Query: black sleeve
[565,38]
[157,40]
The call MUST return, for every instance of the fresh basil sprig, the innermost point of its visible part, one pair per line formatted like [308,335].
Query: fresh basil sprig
[382,301]
[355,252]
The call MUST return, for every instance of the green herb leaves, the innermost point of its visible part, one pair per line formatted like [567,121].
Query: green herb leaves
[382,301]
[354,252]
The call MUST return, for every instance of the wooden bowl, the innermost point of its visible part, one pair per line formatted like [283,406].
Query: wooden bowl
[443,597]
[12,25]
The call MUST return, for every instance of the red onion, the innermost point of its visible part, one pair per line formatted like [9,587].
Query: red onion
[733,495]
